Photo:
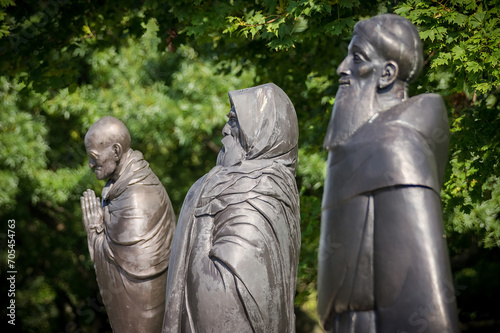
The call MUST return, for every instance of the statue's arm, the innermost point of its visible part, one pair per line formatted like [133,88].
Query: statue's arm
[212,281]
[238,237]
[92,216]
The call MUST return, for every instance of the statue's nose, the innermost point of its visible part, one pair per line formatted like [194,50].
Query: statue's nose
[343,69]
[226,130]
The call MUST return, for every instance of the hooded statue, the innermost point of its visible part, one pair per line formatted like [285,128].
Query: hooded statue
[235,252]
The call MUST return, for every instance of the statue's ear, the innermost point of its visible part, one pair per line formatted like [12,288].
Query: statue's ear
[117,151]
[389,75]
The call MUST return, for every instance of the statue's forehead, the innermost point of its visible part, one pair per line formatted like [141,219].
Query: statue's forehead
[91,148]
[89,138]
[359,41]
[93,140]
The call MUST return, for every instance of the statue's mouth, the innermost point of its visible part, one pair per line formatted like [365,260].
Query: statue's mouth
[344,82]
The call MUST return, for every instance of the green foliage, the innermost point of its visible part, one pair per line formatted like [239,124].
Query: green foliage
[165,68]
[22,148]
[463,35]
[283,24]
[4,28]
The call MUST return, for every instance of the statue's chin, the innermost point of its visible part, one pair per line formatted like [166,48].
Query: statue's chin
[100,175]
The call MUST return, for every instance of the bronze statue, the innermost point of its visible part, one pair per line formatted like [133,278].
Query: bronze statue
[235,253]
[383,261]
[130,233]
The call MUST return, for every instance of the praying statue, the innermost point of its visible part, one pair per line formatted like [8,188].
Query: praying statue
[130,232]
[235,253]
[383,260]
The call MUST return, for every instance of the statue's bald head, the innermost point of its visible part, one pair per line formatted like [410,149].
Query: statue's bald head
[397,39]
[108,131]
[107,142]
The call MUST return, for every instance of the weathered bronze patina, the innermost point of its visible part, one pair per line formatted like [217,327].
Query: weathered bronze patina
[236,247]
[129,232]
[383,261]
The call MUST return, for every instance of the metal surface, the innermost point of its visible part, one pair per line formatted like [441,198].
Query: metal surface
[383,261]
[130,233]
[236,247]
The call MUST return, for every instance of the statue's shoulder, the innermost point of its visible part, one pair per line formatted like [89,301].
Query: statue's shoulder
[196,188]
[195,191]
[431,102]
[137,183]
[424,105]
[425,113]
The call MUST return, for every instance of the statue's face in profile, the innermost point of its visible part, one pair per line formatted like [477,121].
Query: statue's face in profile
[103,161]
[358,86]
[362,68]
[232,151]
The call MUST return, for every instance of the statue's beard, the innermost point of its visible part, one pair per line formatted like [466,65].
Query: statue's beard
[353,107]
[231,153]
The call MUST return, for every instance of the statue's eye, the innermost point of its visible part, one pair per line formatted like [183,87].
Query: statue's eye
[357,58]
[231,115]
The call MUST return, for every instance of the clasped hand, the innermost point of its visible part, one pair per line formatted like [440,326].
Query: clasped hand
[92,213]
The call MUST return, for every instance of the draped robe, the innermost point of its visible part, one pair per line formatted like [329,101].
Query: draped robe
[383,261]
[236,248]
[131,255]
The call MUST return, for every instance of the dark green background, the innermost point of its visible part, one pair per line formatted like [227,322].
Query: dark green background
[164,68]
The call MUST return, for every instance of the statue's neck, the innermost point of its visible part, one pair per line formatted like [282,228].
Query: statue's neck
[391,96]
[121,165]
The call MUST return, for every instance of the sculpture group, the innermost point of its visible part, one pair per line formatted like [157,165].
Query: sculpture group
[230,262]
